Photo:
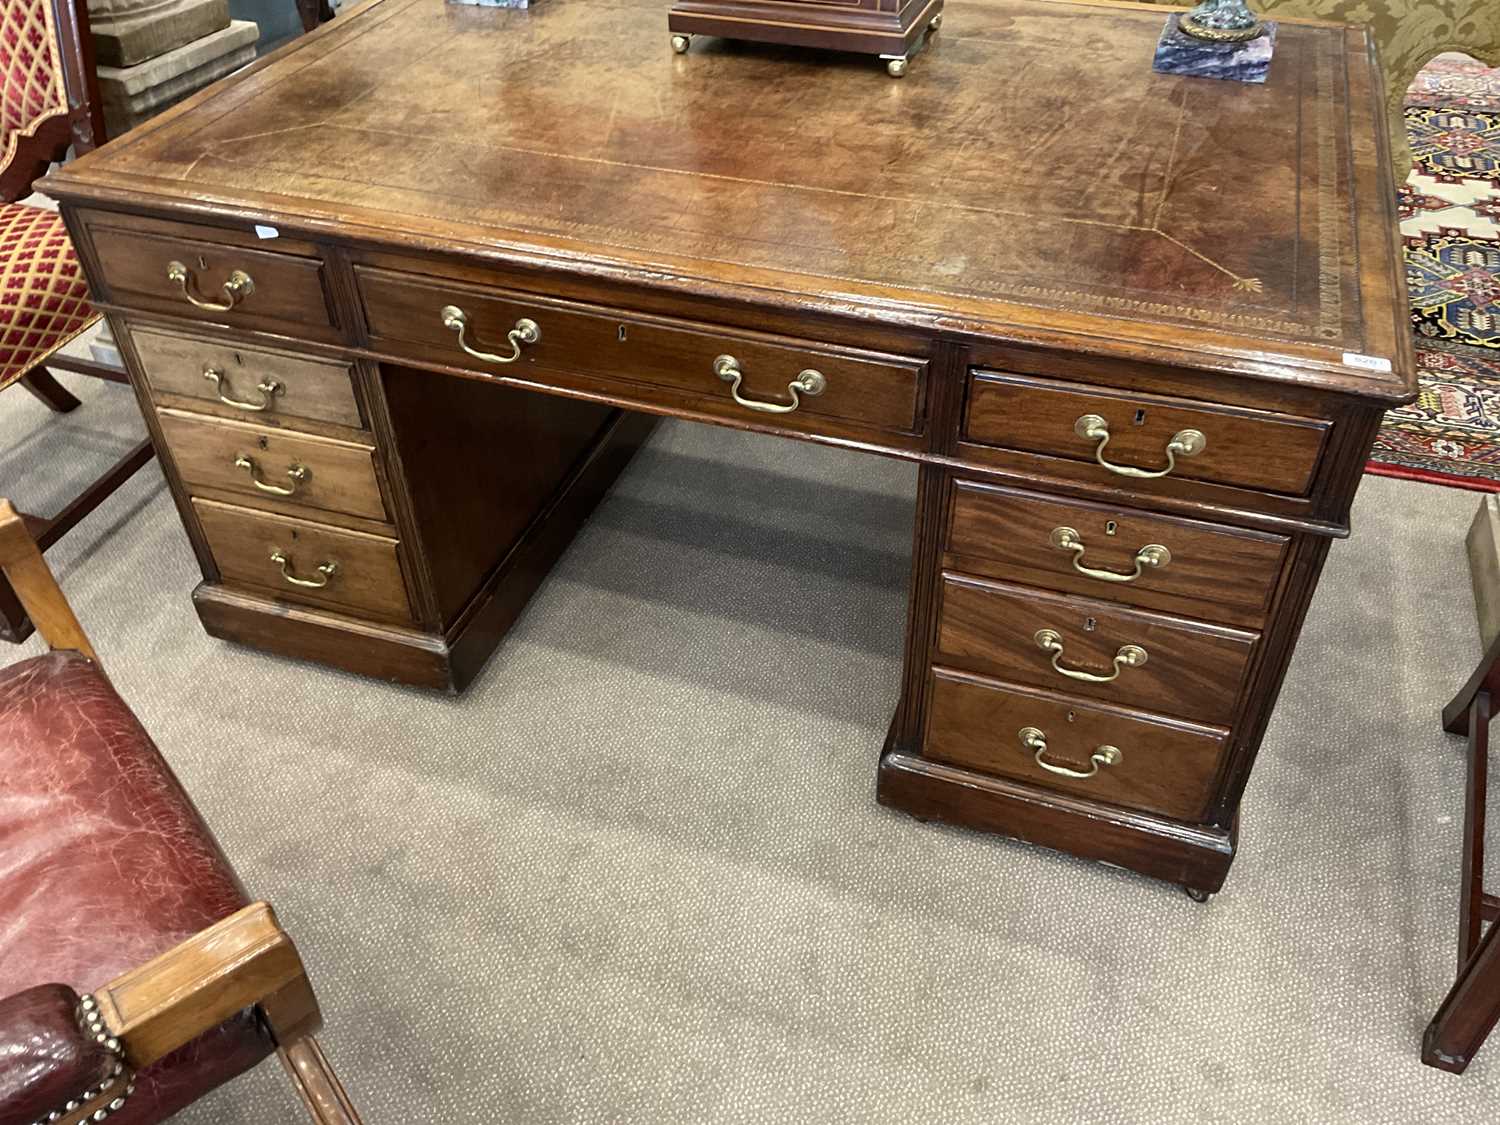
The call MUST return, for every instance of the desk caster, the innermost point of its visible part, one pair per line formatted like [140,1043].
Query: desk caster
[1196,895]
[681,43]
[934,23]
[896,67]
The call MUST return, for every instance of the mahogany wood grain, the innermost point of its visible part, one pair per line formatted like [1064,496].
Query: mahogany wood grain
[481,462]
[334,476]
[309,389]
[1216,572]
[1249,449]
[507,589]
[882,392]
[1166,767]
[1192,670]
[367,580]
[288,290]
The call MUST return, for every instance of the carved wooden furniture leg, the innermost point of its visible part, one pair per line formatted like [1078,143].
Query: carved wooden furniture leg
[1472,1006]
[45,387]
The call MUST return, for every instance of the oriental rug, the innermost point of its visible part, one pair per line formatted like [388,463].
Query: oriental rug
[1450,223]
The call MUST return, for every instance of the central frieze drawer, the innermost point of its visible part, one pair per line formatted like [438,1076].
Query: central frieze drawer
[1102,753]
[303,561]
[255,383]
[1093,649]
[1133,438]
[641,356]
[295,470]
[1198,569]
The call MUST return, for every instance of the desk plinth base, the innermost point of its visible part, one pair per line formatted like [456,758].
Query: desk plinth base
[859,27]
[1197,857]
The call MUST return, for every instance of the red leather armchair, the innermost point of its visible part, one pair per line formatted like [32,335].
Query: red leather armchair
[135,974]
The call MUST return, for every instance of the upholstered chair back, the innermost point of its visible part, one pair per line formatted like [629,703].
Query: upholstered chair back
[31,70]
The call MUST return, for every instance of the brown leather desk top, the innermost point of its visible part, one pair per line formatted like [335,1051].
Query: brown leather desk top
[1030,179]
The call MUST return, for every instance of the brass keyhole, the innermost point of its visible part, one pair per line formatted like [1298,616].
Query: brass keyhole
[1111,527]
[262,442]
[1071,716]
[202,262]
[1140,417]
[1089,624]
[622,334]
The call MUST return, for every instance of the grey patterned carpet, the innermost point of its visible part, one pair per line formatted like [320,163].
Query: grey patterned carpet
[637,873]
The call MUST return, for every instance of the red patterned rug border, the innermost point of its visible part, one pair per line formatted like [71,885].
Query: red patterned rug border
[1428,476]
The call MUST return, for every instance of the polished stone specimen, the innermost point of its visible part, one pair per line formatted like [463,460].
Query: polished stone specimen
[132,94]
[127,32]
[1180,53]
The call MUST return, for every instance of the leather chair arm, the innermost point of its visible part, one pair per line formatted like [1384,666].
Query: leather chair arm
[46,1060]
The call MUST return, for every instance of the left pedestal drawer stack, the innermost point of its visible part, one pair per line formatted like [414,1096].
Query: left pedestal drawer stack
[283,480]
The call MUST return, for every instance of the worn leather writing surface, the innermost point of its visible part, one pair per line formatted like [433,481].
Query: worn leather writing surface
[1031,169]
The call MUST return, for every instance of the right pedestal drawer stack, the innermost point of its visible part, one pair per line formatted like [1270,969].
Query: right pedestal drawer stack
[1102,651]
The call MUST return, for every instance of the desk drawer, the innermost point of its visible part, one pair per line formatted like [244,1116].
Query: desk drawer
[655,361]
[1149,660]
[254,383]
[218,281]
[1207,570]
[294,470]
[1157,765]
[303,561]
[1234,446]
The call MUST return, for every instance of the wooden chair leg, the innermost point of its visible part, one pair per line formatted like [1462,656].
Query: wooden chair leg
[1471,879]
[1469,1012]
[1486,677]
[41,383]
[316,1083]
[294,1017]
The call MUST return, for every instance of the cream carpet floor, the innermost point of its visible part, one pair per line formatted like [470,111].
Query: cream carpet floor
[637,874]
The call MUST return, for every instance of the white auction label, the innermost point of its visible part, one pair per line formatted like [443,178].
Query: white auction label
[1368,362]
[266,232]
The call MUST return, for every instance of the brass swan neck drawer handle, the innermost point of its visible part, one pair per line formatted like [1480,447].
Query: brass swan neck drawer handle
[808,382]
[326,570]
[268,388]
[1151,556]
[1128,656]
[525,332]
[239,286]
[1035,741]
[1184,443]
[298,474]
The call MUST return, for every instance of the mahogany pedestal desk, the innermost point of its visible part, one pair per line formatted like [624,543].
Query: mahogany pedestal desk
[400,300]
